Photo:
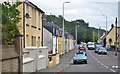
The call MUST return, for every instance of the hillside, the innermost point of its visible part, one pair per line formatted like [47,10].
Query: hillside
[85,33]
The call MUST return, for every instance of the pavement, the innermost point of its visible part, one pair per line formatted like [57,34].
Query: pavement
[64,62]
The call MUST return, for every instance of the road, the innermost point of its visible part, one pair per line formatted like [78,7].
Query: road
[96,63]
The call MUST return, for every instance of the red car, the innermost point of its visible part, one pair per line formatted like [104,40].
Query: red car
[82,49]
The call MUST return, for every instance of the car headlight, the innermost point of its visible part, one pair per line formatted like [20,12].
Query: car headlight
[73,58]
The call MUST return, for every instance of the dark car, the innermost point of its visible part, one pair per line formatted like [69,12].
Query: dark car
[97,47]
[82,49]
[80,57]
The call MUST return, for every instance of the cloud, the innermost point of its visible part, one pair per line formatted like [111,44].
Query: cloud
[89,10]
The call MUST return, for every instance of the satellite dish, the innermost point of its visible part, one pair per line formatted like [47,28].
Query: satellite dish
[27,15]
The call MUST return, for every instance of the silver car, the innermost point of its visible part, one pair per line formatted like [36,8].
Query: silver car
[102,50]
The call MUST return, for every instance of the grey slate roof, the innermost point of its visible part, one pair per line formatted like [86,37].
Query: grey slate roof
[51,27]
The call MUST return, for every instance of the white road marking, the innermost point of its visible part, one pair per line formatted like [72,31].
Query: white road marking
[106,66]
[112,70]
[102,64]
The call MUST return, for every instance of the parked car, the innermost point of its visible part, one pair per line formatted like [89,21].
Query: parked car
[80,57]
[102,50]
[91,46]
[97,47]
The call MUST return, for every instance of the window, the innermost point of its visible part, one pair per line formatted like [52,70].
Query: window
[27,8]
[27,40]
[33,16]
[38,41]
[32,43]
[38,20]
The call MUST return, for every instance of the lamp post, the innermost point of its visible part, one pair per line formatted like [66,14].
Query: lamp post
[76,32]
[106,22]
[63,26]
[99,34]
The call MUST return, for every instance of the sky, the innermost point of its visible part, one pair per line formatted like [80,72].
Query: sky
[92,11]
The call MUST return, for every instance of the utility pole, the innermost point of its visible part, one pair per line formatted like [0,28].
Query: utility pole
[63,27]
[76,34]
[93,36]
[116,36]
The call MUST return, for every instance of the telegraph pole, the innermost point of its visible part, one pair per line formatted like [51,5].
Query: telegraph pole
[116,37]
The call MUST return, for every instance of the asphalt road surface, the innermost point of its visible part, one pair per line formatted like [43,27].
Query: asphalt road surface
[96,63]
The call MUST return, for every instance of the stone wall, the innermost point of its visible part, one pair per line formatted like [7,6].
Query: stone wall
[10,65]
[10,59]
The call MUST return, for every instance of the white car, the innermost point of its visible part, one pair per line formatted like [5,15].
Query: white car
[91,47]
[102,50]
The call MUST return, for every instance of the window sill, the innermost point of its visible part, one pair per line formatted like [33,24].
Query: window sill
[33,26]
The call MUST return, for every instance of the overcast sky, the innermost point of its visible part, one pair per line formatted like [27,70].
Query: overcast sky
[91,11]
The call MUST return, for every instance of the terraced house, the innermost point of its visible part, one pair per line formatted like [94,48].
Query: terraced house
[29,45]
[30,25]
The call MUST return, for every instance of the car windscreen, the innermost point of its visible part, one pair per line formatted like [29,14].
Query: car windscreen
[79,53]
[102,48]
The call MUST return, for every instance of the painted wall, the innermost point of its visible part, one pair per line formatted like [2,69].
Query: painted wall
[47,39]
[54,45]
[32,26]
[112,35]
[60,48]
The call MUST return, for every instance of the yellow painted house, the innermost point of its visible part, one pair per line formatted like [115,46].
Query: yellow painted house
[60,39]
[30,25]
[60,43]
[111,36]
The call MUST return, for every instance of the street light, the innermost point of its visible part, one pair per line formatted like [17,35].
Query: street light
[106,22]
[99,34]
[76,32]
[63,26]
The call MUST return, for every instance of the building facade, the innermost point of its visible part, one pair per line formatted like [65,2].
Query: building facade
[30,25]
[111,36]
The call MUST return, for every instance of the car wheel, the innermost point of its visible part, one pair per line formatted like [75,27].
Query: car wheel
[85,62]
[74,62]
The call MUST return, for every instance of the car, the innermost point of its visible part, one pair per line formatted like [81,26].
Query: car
[82,49]
[80,57]
[97,47]
[81,45]
[102,50]
[91,46]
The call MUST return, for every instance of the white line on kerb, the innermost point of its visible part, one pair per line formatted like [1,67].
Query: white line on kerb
[112,70]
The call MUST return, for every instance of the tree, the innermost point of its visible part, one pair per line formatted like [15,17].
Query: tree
[10,18]
[95,36]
